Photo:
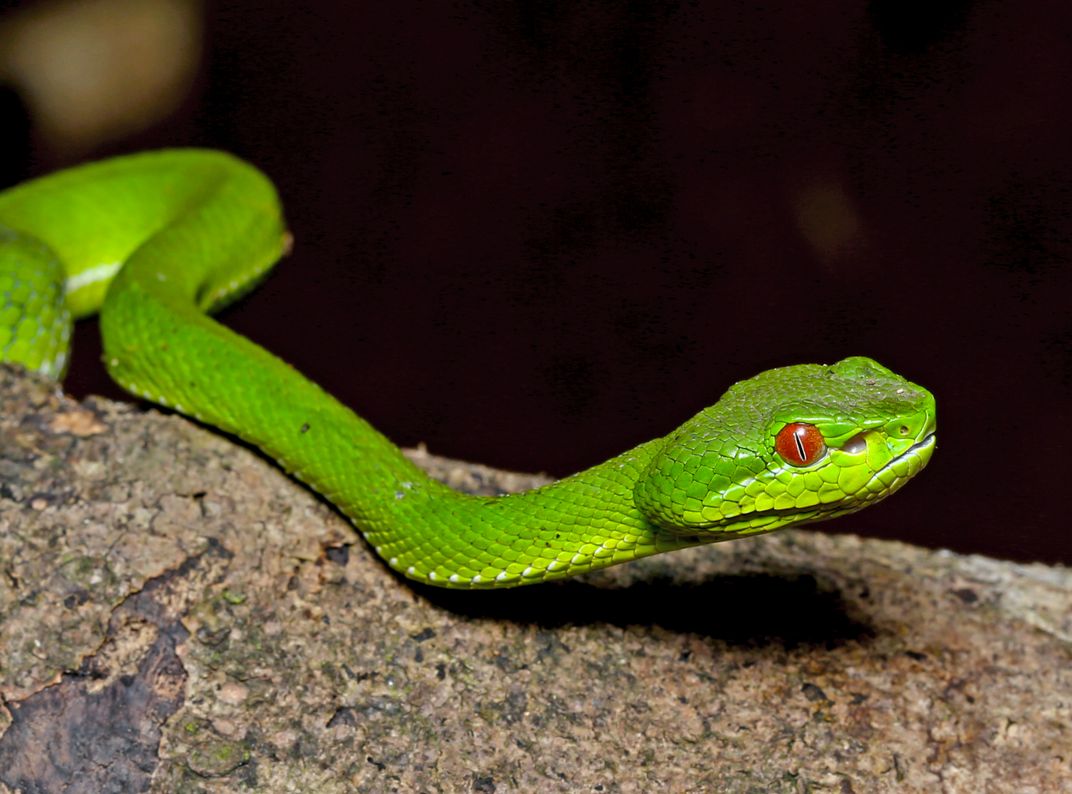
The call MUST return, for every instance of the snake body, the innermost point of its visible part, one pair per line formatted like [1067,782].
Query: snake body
[158,241]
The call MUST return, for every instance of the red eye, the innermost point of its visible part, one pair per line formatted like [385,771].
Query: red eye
[799,444]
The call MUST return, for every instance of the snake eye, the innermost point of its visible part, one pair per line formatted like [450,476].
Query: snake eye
[799,444]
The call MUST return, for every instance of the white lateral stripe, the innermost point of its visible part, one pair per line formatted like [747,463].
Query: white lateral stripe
[92,276]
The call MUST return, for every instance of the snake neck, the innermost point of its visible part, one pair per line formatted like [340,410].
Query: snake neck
[419,526]
[574,525]
[428,532]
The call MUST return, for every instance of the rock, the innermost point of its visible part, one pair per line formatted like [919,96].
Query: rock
[178,615]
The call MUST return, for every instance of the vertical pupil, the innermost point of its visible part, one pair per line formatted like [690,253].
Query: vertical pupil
[799,444]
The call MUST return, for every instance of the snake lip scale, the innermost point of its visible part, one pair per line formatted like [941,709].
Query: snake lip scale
[914,453]
[901,468]
[157,241]
[926,442]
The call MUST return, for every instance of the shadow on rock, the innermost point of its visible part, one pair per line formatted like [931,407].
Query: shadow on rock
[742,609]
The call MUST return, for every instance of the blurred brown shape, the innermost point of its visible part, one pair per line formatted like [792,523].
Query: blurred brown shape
[93,71]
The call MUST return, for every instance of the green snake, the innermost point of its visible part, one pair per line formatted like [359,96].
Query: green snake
[158,241]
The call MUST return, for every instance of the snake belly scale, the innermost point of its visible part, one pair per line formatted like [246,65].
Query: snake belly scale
[156,242]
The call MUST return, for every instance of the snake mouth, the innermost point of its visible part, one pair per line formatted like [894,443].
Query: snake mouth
[903,467]
[877,487]
[922,448]
[919,452]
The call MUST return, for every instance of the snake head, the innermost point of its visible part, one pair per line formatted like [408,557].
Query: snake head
[792,445]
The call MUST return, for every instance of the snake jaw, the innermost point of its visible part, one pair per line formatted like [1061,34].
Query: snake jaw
[843,481]
[752,518]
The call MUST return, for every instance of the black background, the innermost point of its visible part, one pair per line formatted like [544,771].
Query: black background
[534,234]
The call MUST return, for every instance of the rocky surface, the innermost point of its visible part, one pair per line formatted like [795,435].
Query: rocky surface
[177,615]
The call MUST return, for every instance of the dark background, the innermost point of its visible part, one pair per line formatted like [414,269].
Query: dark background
[535,234]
